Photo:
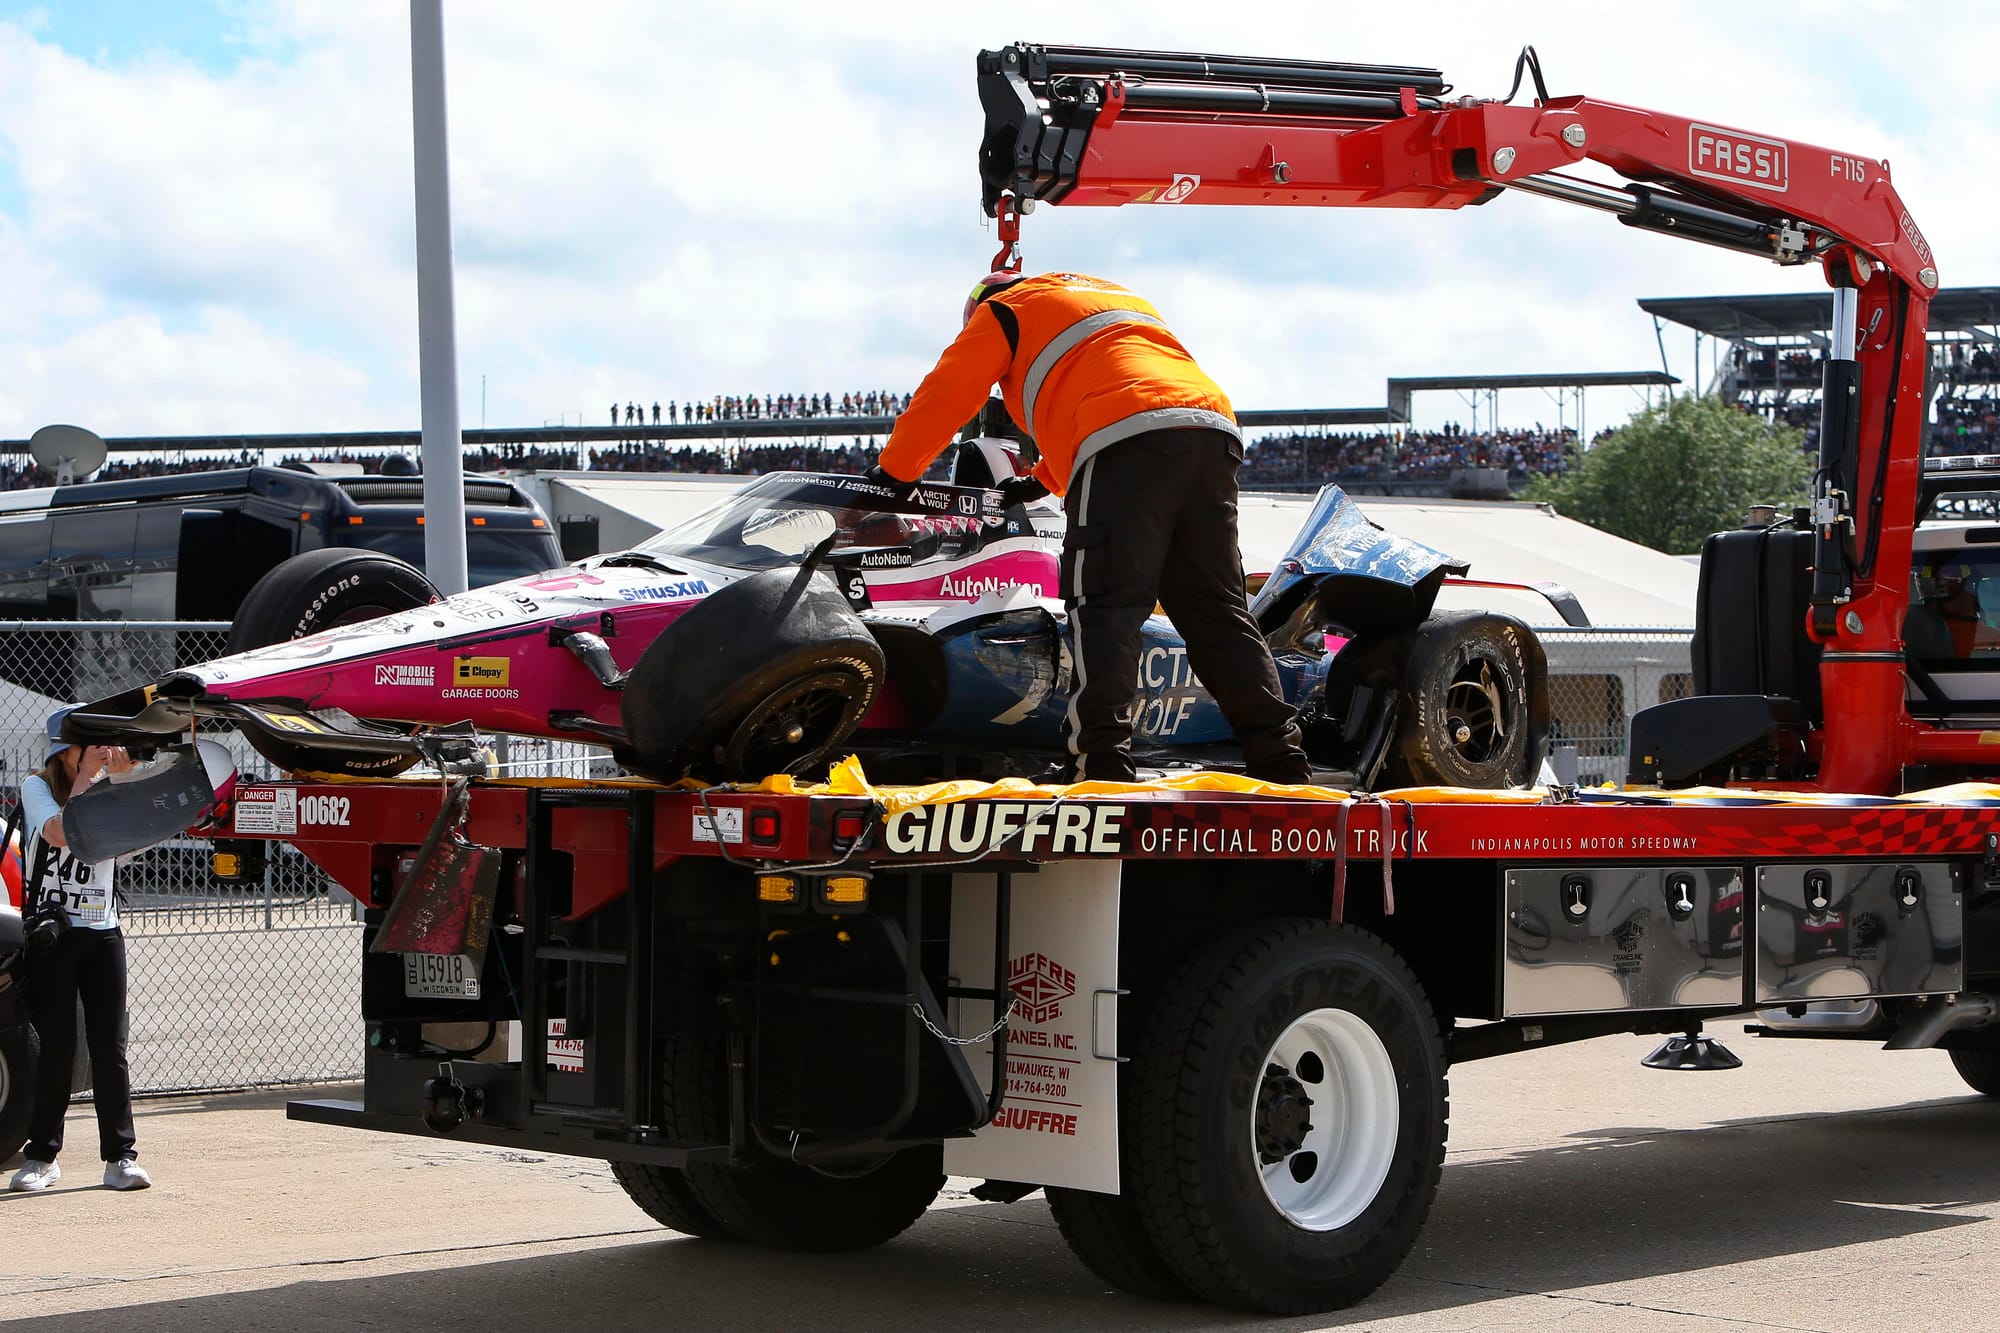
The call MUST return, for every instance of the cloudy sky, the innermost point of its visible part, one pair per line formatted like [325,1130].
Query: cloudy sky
[206,217]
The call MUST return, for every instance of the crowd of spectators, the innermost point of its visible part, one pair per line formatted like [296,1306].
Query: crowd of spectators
[1309,458]
[1978,364]
[1300,458]
[20,474]
[770,407]
[746,460]
[1967,426]
[1771,368]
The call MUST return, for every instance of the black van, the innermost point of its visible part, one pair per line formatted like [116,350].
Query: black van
[189,547]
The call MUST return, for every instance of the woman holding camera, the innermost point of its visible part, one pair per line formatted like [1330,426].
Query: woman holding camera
[86,959]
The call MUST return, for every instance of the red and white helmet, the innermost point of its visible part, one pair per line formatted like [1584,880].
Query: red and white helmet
[988,285]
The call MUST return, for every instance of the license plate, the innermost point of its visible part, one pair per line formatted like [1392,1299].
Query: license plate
[440,976]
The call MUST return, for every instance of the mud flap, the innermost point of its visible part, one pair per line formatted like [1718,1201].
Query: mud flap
[1058,1123]
[109,819]
[445,905]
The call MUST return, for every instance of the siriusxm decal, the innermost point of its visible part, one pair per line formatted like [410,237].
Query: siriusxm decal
[665,592]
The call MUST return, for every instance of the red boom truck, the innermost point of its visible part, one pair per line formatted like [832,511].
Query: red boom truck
[1215,1022]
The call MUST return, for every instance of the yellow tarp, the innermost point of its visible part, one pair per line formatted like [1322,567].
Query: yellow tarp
[848,779]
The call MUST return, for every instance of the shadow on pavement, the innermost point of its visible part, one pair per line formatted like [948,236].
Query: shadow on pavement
[1610,1206]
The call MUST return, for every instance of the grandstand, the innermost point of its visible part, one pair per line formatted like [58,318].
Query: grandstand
[1370,450]
[1770,351]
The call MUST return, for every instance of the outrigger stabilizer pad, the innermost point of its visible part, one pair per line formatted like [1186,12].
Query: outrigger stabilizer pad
[1692,1051]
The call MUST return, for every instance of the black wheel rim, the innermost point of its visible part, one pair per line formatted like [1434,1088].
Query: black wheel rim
[1475,713]
[794,725]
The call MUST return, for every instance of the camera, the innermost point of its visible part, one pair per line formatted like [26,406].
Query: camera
[45,925]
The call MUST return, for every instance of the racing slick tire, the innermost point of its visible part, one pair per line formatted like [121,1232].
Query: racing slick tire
[767,675]
[664,1194]
[1107,1235]
[1474,704]
[19,1048]
[1291,1108]
[316,591]
[782,1204]
[1979,1066]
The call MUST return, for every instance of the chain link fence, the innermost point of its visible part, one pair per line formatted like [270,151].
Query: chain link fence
[231,985]
[1598,678]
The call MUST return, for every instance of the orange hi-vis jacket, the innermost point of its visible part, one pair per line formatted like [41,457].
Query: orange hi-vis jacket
[1081,363]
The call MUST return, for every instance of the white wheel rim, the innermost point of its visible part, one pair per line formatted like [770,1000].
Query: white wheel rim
[1327,1109]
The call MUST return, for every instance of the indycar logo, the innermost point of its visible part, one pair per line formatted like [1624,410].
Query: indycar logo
[405,674]
[1742,159]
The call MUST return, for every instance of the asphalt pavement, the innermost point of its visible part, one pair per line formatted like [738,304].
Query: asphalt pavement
[1827,1186]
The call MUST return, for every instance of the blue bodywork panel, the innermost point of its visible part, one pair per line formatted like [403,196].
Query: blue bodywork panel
[1008,678]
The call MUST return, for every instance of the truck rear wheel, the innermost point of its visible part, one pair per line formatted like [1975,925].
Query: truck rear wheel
[665,1195]
[1291,1113]
[1979,1067]
[1107,1235]
[783,1204]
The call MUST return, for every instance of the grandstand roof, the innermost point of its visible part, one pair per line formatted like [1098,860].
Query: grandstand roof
[1318,416]
[1402,386]
[1799,314]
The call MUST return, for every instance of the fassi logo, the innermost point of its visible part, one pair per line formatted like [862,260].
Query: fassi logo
[1746,159]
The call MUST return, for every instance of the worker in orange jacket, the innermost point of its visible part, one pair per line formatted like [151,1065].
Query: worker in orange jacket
[1144,449]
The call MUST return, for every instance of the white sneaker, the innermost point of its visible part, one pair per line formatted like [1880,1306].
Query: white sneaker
[35,1175]
[125,1174]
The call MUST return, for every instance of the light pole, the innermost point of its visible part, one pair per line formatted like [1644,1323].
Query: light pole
[437,320]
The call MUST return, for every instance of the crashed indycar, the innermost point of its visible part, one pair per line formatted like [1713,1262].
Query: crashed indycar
[812,614]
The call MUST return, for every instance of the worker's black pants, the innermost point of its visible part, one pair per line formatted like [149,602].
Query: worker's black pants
[1152,520]
[91,964]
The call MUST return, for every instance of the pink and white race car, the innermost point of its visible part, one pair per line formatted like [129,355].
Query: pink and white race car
[812,614]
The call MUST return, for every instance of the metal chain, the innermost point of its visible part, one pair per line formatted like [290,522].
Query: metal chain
[1006,1011]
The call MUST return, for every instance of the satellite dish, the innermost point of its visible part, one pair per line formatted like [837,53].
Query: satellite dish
[68,451]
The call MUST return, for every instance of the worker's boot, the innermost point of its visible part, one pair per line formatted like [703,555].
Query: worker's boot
[1290,768]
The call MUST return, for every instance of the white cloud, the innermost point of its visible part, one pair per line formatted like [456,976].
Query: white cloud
[677,200]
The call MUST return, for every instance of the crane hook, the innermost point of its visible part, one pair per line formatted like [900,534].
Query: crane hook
[1007,214]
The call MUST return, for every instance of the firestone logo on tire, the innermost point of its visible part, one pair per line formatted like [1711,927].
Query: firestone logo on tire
[1040,985]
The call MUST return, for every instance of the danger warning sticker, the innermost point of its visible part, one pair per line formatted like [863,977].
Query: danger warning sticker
[272,811]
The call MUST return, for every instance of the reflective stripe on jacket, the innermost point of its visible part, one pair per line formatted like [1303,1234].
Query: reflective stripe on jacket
[1081,363]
